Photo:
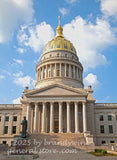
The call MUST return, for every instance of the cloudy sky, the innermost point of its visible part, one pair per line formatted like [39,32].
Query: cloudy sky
[27,25]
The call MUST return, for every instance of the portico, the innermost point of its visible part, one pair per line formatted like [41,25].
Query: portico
[67,115]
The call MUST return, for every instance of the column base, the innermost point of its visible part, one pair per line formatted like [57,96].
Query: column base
[43,132]
[60,132]
[51,132]
[77,132]
[69,132]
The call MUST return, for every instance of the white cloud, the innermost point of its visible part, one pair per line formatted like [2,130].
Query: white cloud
[17,101]
[20,50]
[92,80]
[90,40]
[109,7]
[2,77]
[12,14]
[36,36]
[18,61]
[63,11]
[19,74]
[23,81]
[71,1]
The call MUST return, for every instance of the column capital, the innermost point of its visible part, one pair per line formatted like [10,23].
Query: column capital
[52,102]
[76,102]
[60,102]
[29,103]
[36,103]
[83,102]
[43,103]
[68,103]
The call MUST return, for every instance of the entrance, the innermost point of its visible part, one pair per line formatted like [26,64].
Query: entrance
[56,126]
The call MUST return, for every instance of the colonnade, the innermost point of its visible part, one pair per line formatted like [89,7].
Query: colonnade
[59,69]
[44,108]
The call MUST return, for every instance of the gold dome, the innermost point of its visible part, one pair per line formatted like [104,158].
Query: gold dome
[59,42]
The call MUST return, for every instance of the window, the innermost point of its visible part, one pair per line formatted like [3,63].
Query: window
[4,142]
[110,129]
[103,142]
[57,54]
[102,129]
[109,118]
[112,142]
[14,130]
[15,118]
[7,118]
[6,130]
[116,117]
[101,117]
[0,118]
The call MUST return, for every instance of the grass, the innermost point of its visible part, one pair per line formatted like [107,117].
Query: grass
[101,154]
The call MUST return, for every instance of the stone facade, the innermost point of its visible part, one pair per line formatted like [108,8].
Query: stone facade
[59,103]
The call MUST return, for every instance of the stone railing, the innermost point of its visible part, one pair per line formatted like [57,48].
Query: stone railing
[59,58]
[10,105]
[106,104]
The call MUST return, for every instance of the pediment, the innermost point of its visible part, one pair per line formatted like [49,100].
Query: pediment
[56,90]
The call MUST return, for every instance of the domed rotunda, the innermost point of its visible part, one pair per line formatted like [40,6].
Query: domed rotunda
[59,63]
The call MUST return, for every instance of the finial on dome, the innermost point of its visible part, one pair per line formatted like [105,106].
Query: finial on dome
[59,29]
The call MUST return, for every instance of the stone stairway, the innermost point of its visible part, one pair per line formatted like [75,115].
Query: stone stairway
[57,141]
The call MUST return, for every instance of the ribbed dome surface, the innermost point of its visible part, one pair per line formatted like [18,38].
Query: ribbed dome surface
[59,43]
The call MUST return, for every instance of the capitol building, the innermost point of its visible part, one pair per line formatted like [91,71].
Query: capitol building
[59,103]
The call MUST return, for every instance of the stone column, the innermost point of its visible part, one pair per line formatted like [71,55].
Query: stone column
[60,118]
[68,118]
[60,69]
[42,72]
[46,72]
[69,70]
[28,116]
[77,72]
[36,118]
[2,124]
[51,117]
[50,70]
[76,118]
[65,70]
[84,117]
[44,118]
[55,71]
[74,71]
[10,128]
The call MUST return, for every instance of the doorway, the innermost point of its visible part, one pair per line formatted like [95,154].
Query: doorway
[56,126]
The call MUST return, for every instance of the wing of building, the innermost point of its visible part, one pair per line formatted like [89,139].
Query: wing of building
[59,103]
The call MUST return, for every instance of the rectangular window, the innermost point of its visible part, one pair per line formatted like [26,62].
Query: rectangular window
[0,118]
[102,129]
[101,118]
[110,129]
[6,130]
[15,118]
[109,118]
[3,142]
[116,117]
[112,142]
[14,130]
[103,142]
[7,118]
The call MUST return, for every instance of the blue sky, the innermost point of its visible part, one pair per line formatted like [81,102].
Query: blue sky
[27,25]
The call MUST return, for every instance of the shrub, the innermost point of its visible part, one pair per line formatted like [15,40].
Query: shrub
[103,151]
